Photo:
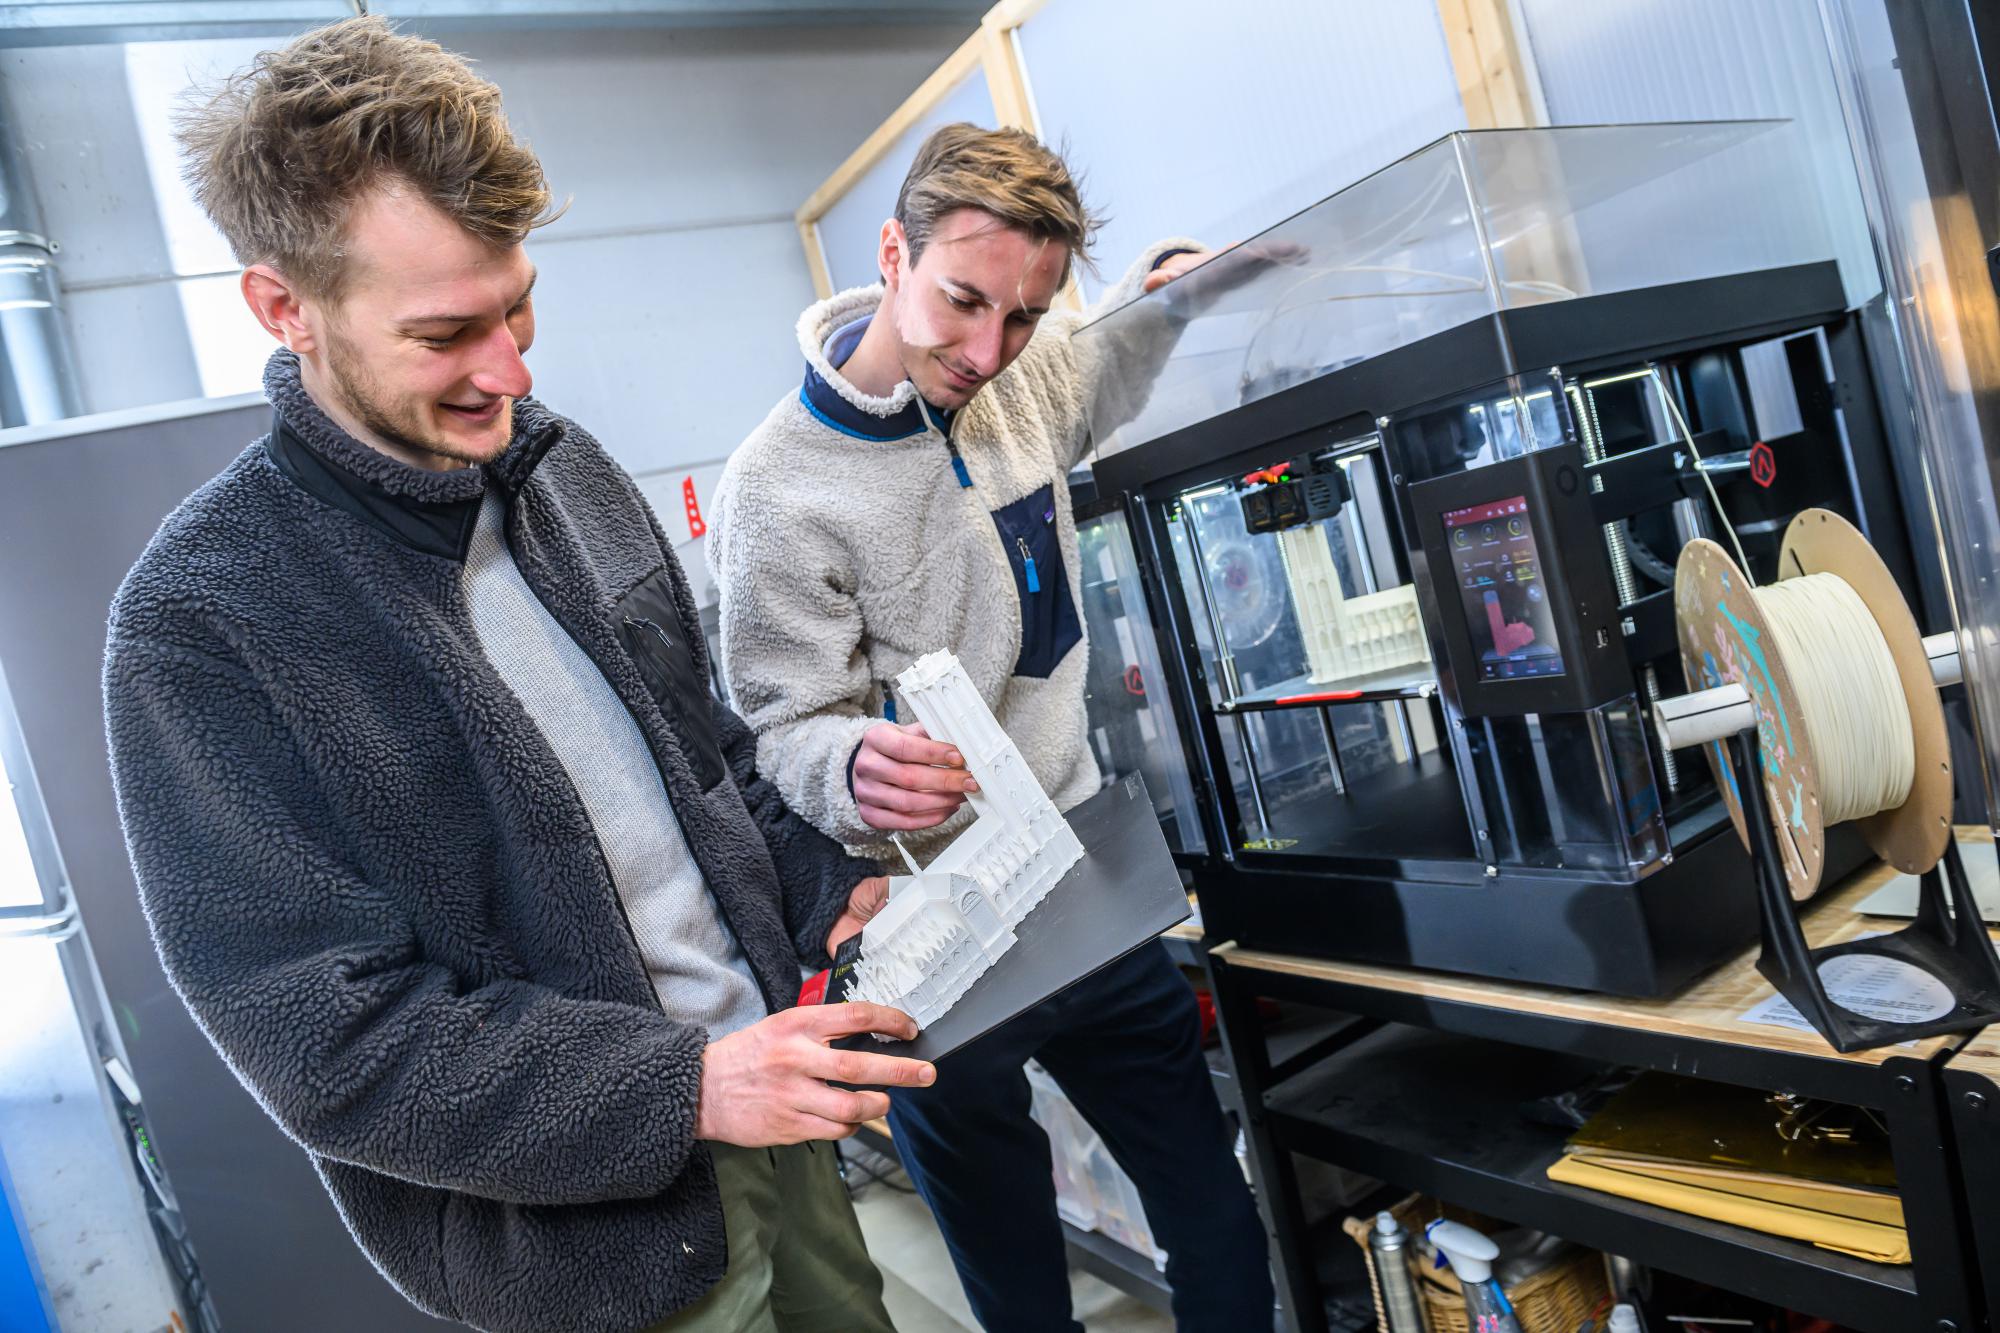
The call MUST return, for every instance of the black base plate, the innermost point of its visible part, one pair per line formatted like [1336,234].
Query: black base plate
[1121,895]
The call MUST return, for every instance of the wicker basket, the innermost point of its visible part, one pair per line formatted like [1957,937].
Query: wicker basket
[1555,1300]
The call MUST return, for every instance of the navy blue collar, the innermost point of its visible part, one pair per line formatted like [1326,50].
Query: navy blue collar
[825,402]
[432,512]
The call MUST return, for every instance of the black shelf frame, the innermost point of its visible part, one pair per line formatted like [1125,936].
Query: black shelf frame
[1974,1101]
[1937,1292]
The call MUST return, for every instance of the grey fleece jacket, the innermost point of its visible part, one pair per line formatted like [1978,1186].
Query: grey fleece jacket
[379,894]
[845,547]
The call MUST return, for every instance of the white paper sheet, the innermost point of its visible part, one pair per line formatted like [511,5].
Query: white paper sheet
[1869,985]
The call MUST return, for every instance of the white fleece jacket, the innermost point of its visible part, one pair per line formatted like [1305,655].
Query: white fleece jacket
[845,548]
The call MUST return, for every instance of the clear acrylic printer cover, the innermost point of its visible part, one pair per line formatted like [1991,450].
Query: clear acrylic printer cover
[1478,222]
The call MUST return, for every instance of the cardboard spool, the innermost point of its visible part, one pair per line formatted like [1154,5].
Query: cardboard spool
[1725,638]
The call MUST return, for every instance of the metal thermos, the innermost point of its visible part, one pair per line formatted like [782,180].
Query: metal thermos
[1388,1250]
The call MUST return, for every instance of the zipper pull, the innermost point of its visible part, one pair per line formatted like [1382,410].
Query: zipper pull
[1028,561]
[957,462]
[888,705]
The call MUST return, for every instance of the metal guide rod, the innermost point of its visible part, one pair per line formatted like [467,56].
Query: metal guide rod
[1703,716]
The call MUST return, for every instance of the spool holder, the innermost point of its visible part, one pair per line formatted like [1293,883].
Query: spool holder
[1947,939]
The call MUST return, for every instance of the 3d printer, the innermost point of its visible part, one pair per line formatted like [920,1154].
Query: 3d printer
[1379,579]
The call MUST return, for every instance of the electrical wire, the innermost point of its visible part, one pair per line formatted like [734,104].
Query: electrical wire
[1461,285]
[1687,438]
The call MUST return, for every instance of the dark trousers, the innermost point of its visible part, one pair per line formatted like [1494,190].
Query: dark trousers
[1125,1045]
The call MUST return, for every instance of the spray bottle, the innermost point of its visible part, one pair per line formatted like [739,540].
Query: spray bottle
[1471,1255]
[1389,1248]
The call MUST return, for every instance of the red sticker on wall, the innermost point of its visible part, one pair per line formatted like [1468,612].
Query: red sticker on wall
[696,528]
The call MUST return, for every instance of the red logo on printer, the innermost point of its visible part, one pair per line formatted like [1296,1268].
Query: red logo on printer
[1763,464]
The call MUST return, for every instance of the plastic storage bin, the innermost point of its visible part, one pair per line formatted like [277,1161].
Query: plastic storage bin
[1093,1193]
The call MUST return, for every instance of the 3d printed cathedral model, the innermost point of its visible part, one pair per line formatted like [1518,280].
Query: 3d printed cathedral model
[1348,636]
[948,922]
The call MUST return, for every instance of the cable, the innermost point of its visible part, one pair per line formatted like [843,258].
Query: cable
[1643,558]
[1687,438]
[1461,285]
[1848,693]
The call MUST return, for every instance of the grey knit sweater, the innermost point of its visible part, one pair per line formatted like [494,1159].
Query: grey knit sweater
[845,548]
[382,898]
[698,969]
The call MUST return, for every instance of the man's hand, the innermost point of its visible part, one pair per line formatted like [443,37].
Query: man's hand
[905,780]
[1173,266]
[766,1084]
[870,896]
[1247,261]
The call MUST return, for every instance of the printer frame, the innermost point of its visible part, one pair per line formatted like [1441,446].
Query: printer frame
[1682,899]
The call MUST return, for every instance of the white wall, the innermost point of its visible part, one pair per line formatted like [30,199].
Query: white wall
[1222,121]
[668,292]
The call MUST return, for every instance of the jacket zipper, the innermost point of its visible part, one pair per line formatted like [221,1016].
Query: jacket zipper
[958,468]
[605,861]
[637,622]
[1028,564]
[645,623]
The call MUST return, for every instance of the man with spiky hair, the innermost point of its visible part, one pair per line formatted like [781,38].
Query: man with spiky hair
[441,837]
[912,495]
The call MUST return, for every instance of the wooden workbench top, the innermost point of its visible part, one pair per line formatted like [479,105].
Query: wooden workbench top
[1708,1010]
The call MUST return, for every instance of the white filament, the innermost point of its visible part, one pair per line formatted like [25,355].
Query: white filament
[1850,698]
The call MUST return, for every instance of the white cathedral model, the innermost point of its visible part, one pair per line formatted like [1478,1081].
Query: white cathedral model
[1347,636]
[945,924]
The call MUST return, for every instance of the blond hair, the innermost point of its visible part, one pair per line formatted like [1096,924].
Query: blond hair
[279,153]
[1009,174]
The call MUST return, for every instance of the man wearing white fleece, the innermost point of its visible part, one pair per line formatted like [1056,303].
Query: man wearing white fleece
[911,496]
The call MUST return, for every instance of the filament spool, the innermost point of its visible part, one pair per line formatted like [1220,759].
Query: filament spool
[1729,634]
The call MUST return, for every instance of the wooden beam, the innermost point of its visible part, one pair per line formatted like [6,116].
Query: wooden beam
[1010,14]
[1493,79]
[1005,79]
[822,280]
[933,90]
[991,53]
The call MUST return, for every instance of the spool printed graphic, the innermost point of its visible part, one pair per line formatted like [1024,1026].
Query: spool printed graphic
[1725,638]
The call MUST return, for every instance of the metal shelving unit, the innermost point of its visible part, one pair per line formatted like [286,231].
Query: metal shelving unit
[1430,1100]
[1972,1087]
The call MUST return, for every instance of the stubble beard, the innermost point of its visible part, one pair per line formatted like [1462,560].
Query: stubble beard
[398,424]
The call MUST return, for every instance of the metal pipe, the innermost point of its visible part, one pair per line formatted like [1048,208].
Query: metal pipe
[1224,658]
[38,379]
[1332,748]
[1250,771]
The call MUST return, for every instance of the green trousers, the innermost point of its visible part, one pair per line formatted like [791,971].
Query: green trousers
[797,1263]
